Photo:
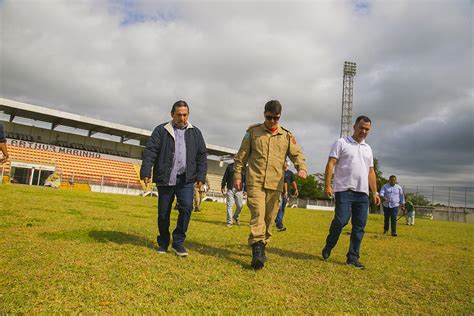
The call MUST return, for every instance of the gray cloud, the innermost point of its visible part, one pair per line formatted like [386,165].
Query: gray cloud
[127,62]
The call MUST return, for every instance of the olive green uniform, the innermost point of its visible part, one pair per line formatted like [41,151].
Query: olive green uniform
[199,194]
[265,154]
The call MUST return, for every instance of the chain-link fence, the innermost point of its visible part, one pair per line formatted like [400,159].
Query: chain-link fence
[441,195]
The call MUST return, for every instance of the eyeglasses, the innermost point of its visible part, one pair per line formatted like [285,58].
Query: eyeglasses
[270,118]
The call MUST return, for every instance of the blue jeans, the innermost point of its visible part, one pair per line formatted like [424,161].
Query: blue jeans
[281,212]
[390,213]
[184,194]
[349,203]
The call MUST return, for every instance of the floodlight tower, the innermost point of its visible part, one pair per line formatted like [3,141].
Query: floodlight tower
[347,93]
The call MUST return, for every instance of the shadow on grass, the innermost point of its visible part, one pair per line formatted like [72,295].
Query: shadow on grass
[207,221]
[218,252]
[291,254]
[120,238]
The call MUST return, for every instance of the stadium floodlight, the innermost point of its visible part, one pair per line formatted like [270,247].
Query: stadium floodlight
[349,72]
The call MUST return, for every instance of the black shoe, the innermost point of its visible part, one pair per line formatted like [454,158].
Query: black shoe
[325,253]
[258,255]
[281,229]
[394,235]
[162,250]
[197,210]
[180,251]
[356,264]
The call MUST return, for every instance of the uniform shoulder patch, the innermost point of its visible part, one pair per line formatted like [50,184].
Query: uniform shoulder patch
[253,126]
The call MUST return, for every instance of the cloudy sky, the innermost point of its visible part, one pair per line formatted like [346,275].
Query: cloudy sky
[128,61]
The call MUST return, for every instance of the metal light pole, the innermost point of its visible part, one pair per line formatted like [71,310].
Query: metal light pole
[347,93]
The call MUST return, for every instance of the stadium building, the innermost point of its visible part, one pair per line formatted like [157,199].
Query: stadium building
[86,153]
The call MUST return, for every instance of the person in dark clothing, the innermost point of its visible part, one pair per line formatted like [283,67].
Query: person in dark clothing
[232,194]
[289,179]
[177,152]
[3,145]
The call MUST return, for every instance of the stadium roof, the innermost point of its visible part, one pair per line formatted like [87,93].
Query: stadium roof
[93,126]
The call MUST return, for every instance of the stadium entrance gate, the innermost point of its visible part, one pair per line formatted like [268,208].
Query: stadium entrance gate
[29,173]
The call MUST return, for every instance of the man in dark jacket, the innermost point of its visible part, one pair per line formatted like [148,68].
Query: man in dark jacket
[177,152]
[232,194]
[3,145]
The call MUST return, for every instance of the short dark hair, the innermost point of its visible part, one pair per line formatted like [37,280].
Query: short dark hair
[273,106]
[392,176]
[363,118]
[179,104]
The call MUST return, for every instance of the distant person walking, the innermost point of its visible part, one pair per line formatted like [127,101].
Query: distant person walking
[232,195]
[3,145]
[178,154]
[200,194]
[289,179]
[351,161]
[392,197]
[409,213]
[265,147]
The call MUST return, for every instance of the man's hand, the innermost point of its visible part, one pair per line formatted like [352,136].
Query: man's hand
[198,184]
[328,192]
[238,185]
[297,193]
[223,190]
[285,195]
[146,180]
[376,199]
[302,174]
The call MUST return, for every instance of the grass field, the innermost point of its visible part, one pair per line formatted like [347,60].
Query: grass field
[64,251]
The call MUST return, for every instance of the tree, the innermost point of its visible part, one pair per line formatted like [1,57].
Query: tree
[311,187]
[417,199]
[380,182]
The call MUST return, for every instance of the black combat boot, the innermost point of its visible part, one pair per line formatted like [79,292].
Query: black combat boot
[258,255]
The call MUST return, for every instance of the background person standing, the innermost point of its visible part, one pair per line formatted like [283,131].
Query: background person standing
[289,179]
[392,197]
[200,194]
[232,195]
[3,145]
[352,163]
[177,152]
[265,147]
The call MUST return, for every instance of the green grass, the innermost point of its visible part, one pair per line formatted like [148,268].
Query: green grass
[64,251]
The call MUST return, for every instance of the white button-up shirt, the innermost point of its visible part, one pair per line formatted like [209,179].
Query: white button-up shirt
[393,195]
[354,161]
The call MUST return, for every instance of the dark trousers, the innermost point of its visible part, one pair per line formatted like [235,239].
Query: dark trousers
[184,193]
[390,213]
[349,203]
[281,213]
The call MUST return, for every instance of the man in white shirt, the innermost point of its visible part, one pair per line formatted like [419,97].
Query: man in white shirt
[351,161]
[392,197]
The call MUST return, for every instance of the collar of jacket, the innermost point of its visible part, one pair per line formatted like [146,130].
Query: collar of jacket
[169,128]
[278,131]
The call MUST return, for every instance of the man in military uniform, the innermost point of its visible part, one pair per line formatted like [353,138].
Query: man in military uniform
[265,147]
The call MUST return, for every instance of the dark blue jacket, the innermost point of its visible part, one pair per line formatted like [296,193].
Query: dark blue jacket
[228,178]
[2,134]
[159,153]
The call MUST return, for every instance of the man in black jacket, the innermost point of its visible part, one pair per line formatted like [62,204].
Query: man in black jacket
[177,152]
[232,194]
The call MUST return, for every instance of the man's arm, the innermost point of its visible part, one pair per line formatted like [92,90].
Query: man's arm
[328,176]
[382,192]
[224,179]
[3,148]
[373,185]
[295,188]
[297,157]
[285,190]
[201,160]
[240,160]
[150,153]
